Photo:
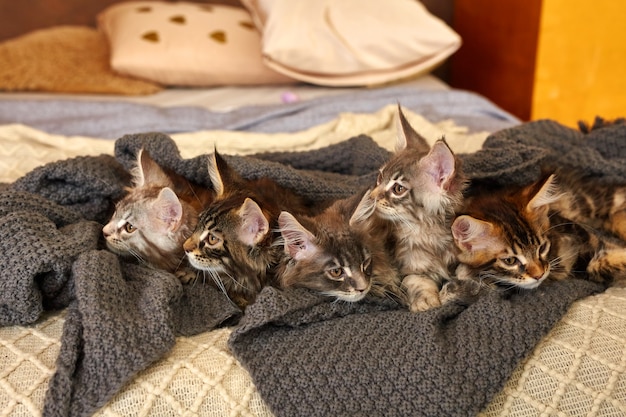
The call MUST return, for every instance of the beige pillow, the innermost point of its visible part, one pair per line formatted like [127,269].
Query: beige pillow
[64,59]
[351,42]
[186,44]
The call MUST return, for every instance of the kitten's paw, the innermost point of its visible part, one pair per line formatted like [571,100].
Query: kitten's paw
[185,275]
[460,292]
[449,293]
[424,303]
[422,293]
[608,266]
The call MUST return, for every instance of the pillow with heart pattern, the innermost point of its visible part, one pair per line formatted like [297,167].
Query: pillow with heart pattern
[186,44]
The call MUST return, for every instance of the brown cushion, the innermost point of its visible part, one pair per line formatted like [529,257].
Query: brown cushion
[65,59]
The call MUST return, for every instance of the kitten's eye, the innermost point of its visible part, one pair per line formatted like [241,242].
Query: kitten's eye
[129,228]
[398,189]
[212,239]
[510,261]
[335,273]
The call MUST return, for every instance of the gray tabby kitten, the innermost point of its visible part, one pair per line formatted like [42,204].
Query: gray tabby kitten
[154,219]
[234,242]
[519,237]
[333,254]
[417,194]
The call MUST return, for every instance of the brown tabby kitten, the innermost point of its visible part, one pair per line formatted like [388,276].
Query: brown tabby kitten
[332,254]
[234,242]
[157,215]
[517,238]
[417,193]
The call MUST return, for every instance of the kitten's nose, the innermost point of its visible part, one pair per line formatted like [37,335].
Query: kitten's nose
[535,272]
[189,246]
[359,284]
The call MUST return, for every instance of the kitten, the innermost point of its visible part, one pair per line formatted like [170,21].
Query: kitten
[157,215]
[234,242]
[591,202]
[417,193]
[332,254]
[517,238]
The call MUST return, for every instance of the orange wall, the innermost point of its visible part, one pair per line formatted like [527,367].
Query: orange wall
[580,69]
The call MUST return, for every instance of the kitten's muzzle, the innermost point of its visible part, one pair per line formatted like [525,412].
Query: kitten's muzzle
[536,272]
[189,246]
[107,230]
[376,193]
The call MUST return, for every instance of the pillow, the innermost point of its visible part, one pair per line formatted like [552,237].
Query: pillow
[351,42]
[186,44]
[64,59]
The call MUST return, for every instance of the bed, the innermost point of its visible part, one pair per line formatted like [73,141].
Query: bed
[86,333]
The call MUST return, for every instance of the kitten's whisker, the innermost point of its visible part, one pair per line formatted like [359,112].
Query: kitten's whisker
[193,191]
[220,284]
[237,282]
[137,256]
[553,226]
[181,261]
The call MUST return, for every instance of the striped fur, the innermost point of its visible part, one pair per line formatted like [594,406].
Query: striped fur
[417,193]
[335,256]
[235,241]
[519,237]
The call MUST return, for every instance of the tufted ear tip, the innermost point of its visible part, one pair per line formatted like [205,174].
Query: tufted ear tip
[407,137]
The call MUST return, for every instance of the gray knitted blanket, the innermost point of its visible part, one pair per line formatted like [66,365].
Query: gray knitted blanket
[307,355]
[310,356]
[122,316]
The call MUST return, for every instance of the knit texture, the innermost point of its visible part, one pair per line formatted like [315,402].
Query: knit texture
[121,316]
[311,356]
[306,354]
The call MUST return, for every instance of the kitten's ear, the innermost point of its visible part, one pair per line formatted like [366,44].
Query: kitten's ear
[439,165]
[254,224]
[148,171]
[214,174]
[471,234]
[364,209]
[167,209]
[298,240]
[407,137]
[543,193]
[220,173]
